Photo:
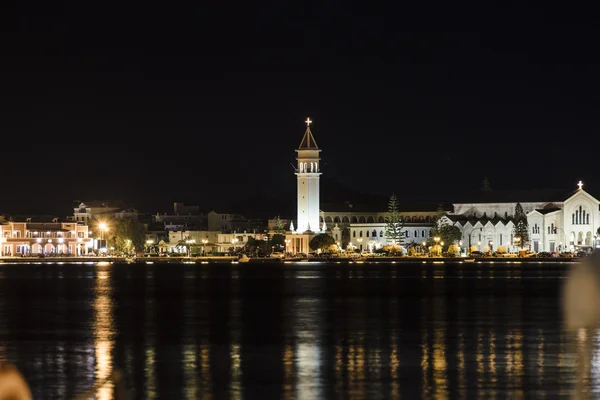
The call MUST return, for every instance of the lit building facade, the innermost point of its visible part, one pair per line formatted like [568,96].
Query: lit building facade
[558,220]
[44,238]
[308,172]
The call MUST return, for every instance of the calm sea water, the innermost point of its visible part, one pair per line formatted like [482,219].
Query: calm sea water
[290,331]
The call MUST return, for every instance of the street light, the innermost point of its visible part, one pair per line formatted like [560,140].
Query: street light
[103,228]
[149,243]
[189,246]
[437,241]
[234,241]
[287,244]
[204,241]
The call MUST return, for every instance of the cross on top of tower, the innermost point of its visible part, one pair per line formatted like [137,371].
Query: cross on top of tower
[308,122]
[580,184]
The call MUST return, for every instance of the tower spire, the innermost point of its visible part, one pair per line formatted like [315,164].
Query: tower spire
[308,141]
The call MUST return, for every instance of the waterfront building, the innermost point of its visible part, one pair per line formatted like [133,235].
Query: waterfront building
[89,211]
[27,238]
[208,242]
[184,217]
[558,220]
[363,228]
[231,222]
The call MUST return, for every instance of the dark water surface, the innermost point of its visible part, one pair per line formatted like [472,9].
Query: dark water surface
[290,331]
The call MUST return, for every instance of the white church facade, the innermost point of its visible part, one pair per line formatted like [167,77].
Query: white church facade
[557,221]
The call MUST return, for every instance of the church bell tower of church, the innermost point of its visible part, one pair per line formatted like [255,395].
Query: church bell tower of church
[308,173]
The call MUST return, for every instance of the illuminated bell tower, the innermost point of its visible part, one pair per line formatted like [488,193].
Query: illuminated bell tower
[308,182]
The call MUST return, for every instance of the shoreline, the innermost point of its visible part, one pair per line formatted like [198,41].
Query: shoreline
[333,260]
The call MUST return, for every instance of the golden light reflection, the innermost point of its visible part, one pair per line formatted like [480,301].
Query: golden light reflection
[189,358]
[492,359]
[360,368]
[514,360]
[440,363]
[394,364]
[288,372]
[374,364]
[150,349]
[235,387]
[540,357]
[339,368]
[583,363]
[351,365]
[189,370]
[425,388]
[235,354]
[460,356]
[205,370]
[150,373]
[103,343]
[479,358]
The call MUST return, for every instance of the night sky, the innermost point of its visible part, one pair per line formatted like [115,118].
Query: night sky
[205,104]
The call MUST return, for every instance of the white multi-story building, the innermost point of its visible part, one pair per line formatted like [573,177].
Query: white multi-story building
[44,238]
[88,211]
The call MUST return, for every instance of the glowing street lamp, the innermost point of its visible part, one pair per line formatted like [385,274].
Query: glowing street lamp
[189,246]
[103,229]
[149,243]
[204,241]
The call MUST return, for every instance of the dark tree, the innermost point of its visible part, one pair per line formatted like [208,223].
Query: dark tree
[447,232]
[321,241]
[129,235]
[393,220]
[521,228]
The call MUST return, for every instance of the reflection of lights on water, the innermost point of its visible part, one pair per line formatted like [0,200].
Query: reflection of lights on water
[308,359]
[236,372]
[288,372]
[103,343]
[205,370]
[190,368]
[308,363]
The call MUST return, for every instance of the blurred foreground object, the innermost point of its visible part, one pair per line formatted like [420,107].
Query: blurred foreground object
[12,384]
[581,315]
[581,294]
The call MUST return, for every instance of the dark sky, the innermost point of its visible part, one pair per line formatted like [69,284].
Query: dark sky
[154,103]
